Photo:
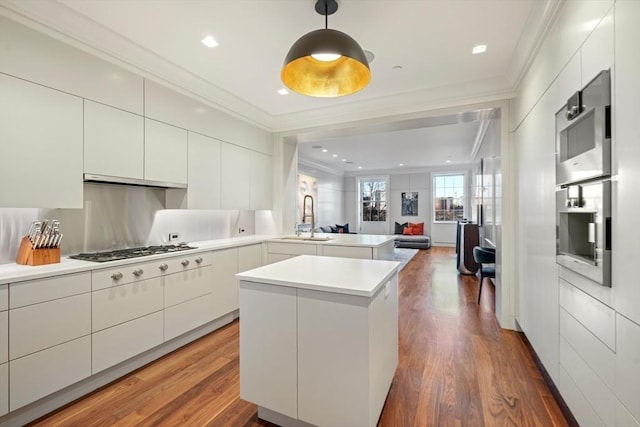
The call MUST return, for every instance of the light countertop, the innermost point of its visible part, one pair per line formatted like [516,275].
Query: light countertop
[16,273]
[338,239]
[360,277]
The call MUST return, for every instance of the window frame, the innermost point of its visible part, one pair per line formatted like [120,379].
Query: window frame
[465,196]
[362,179]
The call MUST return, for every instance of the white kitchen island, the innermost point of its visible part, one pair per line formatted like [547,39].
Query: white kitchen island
[319,339]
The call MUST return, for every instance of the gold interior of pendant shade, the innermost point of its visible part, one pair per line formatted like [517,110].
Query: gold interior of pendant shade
[308,76]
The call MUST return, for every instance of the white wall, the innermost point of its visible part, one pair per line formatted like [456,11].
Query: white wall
[443,234]
[587,336]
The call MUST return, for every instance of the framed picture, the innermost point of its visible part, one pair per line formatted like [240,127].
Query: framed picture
[410,203]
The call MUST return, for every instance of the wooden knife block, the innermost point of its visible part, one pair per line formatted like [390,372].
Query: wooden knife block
[29,256]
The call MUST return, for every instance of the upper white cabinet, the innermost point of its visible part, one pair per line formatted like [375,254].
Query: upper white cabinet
[225,285]
[203,190]
[165,152]
[113,141]
[169,106]
[36,57]
[260,181]
[235,169]
[41,143]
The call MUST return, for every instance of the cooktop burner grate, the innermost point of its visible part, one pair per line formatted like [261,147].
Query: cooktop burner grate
[130,253]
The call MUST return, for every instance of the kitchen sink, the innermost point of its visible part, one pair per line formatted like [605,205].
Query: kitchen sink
[306,238]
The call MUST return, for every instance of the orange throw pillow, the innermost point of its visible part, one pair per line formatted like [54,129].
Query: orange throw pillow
[407,231]
[417,229]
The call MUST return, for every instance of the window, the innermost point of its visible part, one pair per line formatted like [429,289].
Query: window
[448,199]
[373,199]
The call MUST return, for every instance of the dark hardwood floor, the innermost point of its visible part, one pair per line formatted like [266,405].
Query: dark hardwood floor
[456,367]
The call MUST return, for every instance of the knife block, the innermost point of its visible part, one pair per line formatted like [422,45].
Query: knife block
[27,255]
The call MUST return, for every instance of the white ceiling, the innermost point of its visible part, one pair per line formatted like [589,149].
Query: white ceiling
[430,39]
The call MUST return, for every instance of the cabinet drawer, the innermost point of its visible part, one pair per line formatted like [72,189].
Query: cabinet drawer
[4,336]
[39,326]
[292,248]
[119,304]
[40,374]
[596,392]
[187,262]
[184,317]
[579,406]
[4,297]
[190,284]
[123,274]
[348,252]
[37,291]
[119,343]
[249,257]
[595,354]
[271,258]
[598,318]
[628,365]
[4,388]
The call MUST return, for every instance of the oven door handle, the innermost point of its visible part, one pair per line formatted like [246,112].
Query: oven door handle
[592,232]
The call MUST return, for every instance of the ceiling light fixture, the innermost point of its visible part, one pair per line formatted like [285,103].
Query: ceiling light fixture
[209,41]
[326,63]
[335,155]
[481,48]
[324,150]
[283,91]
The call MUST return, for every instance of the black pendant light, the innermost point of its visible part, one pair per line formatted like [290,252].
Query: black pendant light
[326,63]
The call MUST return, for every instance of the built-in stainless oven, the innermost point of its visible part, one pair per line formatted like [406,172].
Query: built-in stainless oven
[583,179]
[583,133]
[584,229]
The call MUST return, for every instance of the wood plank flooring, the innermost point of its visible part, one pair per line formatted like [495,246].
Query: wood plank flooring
[456,368]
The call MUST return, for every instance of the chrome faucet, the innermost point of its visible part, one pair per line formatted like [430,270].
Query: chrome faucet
[304,213]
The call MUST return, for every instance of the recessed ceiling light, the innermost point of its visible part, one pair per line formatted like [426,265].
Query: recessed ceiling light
[448,161]
[324,150]
[344,160]
[481,48]
[359,167]
[209,41]
[335,155]
[401,164]
[283,91]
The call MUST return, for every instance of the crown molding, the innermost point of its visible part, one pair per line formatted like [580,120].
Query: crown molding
[320,166]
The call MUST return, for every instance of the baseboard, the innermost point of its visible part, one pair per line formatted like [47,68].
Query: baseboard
[571,421]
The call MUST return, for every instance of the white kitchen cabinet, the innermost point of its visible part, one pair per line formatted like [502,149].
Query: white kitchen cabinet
[203,191]
[187,285]
[165,152]
[41,134]
[169,106]
[598,50]
[39,326]
[261,192]
[4,336]
[347,252]
[119,304]
[249,257]
[4,388]
[235,172]
[628,365]
[292,248]
[42,290]
[129,273]
[184,317]
[37,57]
[4,297]
[225,285]
[40,374]
[113,141]
[271,258]
[116,344]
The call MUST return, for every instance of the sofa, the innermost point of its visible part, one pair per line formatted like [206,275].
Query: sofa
[409,235]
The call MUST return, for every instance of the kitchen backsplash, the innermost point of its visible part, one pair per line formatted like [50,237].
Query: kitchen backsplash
[121,216]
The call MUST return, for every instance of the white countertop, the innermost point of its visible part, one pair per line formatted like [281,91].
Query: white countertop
[339,239]
[16,273]
[361,277]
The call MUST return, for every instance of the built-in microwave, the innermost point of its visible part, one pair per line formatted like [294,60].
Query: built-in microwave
[583,133]
[584,229]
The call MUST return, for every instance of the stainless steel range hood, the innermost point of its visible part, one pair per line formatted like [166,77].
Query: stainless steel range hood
[131,181]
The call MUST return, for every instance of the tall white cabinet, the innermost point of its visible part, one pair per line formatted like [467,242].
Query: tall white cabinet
[41,144]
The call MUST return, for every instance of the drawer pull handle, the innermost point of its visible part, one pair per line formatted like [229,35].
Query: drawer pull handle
[199,260]
[163,267]
[185,262]
[138,272]
[116,276]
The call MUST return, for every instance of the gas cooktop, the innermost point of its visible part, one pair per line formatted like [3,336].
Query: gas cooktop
[130,253]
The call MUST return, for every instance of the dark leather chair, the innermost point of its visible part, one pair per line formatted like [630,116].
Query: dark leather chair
[483,256]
